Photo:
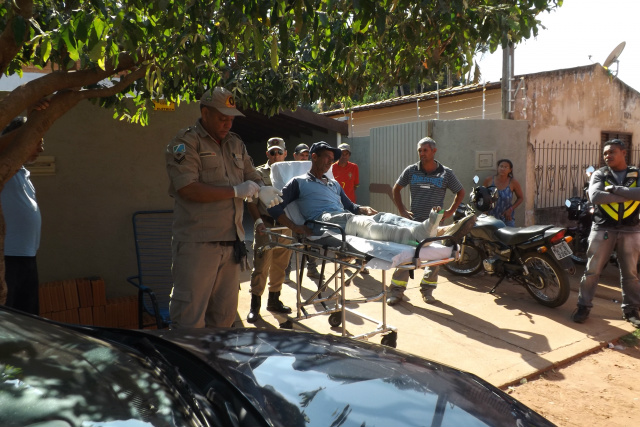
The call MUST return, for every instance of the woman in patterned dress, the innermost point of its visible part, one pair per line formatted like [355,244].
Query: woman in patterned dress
[507,186]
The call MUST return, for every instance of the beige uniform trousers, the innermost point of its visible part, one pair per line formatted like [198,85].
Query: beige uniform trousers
[206,281]
[270,264]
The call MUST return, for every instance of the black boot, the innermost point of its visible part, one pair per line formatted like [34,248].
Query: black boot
[254,312]
[274,303]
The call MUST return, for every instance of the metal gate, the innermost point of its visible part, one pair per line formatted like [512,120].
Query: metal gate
[560,169]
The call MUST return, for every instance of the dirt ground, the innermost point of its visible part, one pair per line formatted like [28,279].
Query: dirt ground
[597,390]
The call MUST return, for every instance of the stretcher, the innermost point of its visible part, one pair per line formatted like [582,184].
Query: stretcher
[347,254]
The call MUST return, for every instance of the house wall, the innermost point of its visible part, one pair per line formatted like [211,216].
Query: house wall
[574,104]
[258,152]
[453,107]
[105,171]
[459,142]
[577,105]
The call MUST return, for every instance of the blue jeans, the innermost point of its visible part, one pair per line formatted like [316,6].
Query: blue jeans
[601,244]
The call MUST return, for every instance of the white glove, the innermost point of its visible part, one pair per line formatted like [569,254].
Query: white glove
[270,196]
[247,189]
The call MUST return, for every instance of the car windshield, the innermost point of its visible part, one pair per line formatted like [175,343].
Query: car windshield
[49,372]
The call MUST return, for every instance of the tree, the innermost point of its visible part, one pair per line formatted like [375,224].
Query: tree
[275,54]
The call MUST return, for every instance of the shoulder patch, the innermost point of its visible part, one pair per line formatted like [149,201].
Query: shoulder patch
[179,152]
[180,148]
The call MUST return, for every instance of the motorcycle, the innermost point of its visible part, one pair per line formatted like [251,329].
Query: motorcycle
[580,209]
[537,257]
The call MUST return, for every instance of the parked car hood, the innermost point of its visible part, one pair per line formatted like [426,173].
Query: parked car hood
[51,375]
[302,379]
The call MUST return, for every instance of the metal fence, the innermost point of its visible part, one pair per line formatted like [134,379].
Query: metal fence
[560,169]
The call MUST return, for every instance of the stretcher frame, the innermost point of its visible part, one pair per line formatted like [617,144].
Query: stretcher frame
[336,304]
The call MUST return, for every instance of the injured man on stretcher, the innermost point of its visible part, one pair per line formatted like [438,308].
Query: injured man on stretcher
[320,198]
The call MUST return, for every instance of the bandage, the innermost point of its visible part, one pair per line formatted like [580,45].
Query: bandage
[365,227]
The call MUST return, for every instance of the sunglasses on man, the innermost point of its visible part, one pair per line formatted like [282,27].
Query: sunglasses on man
[276,152]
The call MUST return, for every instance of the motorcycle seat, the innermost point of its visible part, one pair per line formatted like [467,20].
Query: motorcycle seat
[517,235]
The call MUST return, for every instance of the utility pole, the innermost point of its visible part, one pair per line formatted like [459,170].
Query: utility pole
[507,82]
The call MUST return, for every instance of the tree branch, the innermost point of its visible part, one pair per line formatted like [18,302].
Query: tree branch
[125,81]
[31,92]
[8,46]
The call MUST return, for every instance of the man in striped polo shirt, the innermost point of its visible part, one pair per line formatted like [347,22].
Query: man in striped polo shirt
[428,181]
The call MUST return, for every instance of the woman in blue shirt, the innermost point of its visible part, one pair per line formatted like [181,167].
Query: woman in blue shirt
[507,186]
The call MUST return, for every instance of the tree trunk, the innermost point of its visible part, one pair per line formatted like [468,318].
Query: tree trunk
[3,283]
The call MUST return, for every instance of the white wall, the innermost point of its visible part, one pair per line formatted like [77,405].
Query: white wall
[393,148]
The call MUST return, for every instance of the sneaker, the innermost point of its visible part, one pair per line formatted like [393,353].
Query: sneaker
[429,299]
[580,314]
[632,317]
[365,271]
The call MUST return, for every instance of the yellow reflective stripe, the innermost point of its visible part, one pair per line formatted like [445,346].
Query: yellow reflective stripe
[399,283]
[611,211]
[630,206]
[426,282]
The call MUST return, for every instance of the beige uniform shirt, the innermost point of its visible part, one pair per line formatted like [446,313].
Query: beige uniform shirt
[194,156]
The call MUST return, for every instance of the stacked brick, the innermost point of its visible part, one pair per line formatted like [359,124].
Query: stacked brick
[84,301]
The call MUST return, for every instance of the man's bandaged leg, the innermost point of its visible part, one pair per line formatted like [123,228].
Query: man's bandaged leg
[366,227]
[432,223]
[393,228]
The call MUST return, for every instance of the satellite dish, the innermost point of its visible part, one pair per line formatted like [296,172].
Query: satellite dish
[613,56]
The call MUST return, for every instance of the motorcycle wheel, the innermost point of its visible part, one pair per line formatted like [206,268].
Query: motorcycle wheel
[470,261]
[547,282]
[579,246]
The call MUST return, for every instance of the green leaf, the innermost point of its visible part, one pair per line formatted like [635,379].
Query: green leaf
[274,53]
[69,41]
[45,50]
[98,50]
[258,43]
[98,27]
[82,30]
[19,30]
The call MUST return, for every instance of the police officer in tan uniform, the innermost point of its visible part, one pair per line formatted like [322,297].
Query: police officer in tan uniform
[270,263]
[210,174]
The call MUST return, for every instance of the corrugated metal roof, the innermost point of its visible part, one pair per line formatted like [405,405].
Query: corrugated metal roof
[451,91]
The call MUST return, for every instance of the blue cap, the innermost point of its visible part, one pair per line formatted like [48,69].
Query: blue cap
[321,145]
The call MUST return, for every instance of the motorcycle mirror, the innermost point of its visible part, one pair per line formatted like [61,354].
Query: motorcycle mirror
[494,193]
[567,203]
[589,171]
[476,179]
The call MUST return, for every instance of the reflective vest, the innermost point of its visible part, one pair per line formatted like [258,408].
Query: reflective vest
[619,214]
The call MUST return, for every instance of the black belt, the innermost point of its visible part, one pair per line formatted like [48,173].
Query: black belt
[225,243]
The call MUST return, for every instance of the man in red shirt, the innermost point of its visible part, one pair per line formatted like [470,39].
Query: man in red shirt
[346,173]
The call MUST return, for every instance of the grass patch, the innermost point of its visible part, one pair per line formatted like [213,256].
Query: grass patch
[632,339]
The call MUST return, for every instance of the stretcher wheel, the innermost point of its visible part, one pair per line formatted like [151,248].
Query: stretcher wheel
[335,319]
[390,340]
[288,324]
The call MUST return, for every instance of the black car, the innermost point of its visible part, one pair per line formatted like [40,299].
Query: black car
[58,375]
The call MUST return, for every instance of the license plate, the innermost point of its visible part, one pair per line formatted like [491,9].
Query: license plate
[561,250]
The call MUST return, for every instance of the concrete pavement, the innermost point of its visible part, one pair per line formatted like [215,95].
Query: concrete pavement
[501,337]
